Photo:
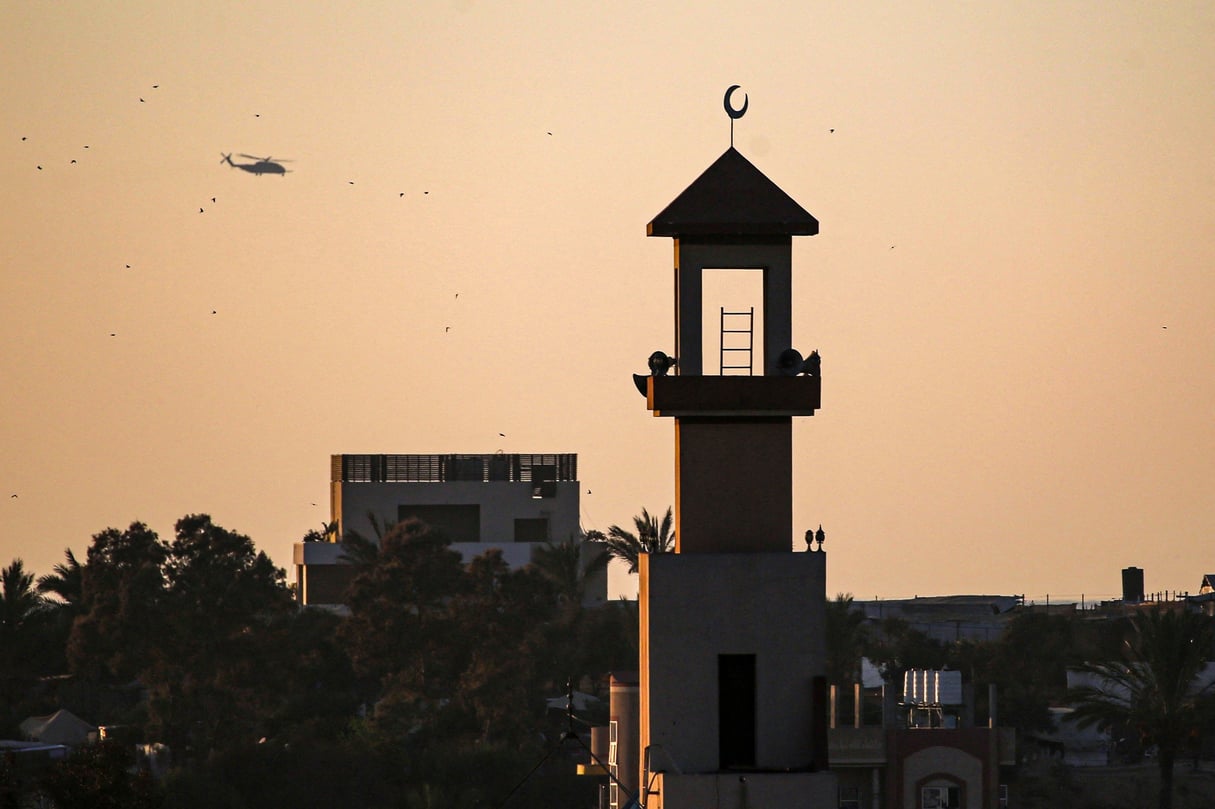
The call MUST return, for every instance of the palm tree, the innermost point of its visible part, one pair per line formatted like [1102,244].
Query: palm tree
[19,600]
[21,612]
[846,633]
[66,582]
[358,549]
[652,537]
[562,564]
[1158,689]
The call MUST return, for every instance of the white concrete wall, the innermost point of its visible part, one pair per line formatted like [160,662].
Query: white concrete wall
[501,503]
[316,553]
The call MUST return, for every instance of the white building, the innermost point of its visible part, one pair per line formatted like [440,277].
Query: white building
[510,502]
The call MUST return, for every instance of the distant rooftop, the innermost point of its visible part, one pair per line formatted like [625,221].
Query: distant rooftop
[514,468]
[937,607]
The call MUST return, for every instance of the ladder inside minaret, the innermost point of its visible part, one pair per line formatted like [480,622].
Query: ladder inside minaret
[737,342]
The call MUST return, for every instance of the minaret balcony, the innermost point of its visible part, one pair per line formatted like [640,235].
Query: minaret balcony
[734,396]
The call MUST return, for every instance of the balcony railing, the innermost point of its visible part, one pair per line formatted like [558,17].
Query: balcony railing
[514,468]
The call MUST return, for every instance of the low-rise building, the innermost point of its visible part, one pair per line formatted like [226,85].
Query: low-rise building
[948,618]
[509,502]
[925,754]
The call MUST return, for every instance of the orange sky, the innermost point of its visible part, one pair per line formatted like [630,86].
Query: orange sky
[1012,291]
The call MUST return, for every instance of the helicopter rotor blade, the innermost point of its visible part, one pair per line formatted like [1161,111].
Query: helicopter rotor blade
[264,159]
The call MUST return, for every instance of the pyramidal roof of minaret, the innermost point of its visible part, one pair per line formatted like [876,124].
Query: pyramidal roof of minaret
[733,198]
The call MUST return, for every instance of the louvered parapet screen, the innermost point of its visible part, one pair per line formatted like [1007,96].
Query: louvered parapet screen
[514,468]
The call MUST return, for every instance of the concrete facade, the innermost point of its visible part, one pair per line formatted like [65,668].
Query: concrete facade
[510,502]
[623,754]
[500,504]
[896,766]
[749,503]
[759,603]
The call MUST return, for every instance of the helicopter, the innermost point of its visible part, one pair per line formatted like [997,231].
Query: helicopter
[264,165]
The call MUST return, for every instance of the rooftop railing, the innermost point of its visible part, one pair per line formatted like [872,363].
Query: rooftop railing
[513,468]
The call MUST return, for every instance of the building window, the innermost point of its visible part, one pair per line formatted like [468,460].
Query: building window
[458,523]
[736,710]
[326,584]
[613,765]
[613,740]
[531,529]
[1003,801]
[940,798]
[544,481]
[850,798]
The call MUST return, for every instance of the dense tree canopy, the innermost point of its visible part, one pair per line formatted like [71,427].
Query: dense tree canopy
[448,648]
[205,675]
[121,604]
[431,689]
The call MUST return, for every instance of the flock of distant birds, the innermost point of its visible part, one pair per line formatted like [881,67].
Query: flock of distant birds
[202,209]
[142,100]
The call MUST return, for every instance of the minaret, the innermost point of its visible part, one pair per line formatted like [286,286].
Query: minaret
[732,652]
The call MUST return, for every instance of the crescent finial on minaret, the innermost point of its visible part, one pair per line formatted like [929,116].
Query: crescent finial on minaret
[734,113]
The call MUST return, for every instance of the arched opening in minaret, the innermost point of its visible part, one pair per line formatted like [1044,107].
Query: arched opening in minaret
[732,319]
